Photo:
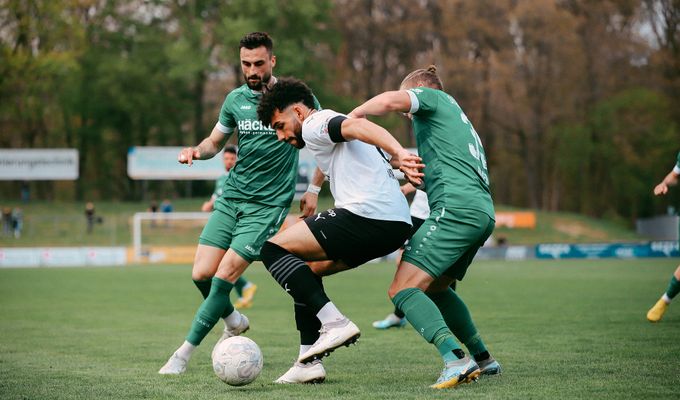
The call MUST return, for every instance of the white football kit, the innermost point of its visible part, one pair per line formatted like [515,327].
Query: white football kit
[360,176]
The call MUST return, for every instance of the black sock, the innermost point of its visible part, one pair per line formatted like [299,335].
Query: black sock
[307,324]
[459,353]
[294,276]
[203,287]
[482,356]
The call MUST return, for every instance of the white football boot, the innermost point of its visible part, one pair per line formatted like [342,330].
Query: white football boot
[312,372]
[332,335]
[176,365]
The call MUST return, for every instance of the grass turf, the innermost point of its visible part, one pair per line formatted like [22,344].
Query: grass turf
[567,329]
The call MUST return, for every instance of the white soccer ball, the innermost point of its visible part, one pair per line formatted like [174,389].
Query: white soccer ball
[237,361]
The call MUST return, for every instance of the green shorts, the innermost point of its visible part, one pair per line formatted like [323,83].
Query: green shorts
[448,241]
[242,226]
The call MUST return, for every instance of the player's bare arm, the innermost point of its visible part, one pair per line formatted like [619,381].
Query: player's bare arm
[670,180]
[397,100]
[407,188]
[205,150]
[310,199]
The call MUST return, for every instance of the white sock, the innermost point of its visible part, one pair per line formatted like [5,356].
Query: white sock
[329,313]
[393,318]
[232,320]
[666,299]
[304,348]
[185,350]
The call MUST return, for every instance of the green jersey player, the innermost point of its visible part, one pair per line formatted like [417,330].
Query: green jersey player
[254,203]
[658,310]
[461,219]
[244,288]
[229,157]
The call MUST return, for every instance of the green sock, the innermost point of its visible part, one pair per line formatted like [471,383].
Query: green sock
[213,307]
[239,284]
[673,288]
[204,288]
[425,317]
[458,319]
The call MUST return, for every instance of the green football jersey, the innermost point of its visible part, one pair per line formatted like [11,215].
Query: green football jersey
[219,185]
[676,169]
[456,174]
[266,169]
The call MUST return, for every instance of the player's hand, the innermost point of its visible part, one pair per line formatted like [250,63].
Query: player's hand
[660,189]
[356,113]
[308,203]
[411,165]
[407,188]
[207,206]
[188,154]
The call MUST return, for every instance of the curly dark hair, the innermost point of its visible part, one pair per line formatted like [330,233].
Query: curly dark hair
[254,40]
[285,92]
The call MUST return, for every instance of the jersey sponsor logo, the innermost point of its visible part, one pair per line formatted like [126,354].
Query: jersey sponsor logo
[249,126]
[246,107]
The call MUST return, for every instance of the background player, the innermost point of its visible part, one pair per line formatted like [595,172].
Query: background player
[658,310]
[244,288]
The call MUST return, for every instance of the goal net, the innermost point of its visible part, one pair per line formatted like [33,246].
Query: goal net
[166,237]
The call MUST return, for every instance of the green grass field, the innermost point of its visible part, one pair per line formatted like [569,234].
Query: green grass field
[568,329]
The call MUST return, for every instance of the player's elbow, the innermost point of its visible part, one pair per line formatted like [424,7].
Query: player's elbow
[395,101]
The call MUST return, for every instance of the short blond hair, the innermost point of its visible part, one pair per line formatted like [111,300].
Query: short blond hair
[423,77]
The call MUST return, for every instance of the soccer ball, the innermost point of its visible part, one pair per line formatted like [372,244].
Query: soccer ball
[237,361]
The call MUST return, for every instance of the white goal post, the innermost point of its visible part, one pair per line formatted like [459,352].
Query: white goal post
[158,217]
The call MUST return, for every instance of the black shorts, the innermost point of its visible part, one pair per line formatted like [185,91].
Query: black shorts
[354,239]
[417,223]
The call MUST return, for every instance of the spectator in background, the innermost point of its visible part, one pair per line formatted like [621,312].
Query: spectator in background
[17,222]
[6,221]
[153,208]
[166,206]
[25,192]
[501,241]
[90,216]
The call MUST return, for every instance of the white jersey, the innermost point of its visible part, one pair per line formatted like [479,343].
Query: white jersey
[361,179]
[419,207]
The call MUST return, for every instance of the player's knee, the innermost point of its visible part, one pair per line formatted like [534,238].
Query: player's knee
[201,272]
[393,290]
[200,276]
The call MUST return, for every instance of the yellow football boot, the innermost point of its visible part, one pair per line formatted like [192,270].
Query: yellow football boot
[655,313]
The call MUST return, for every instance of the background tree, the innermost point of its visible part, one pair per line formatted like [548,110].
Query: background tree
[576,101]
